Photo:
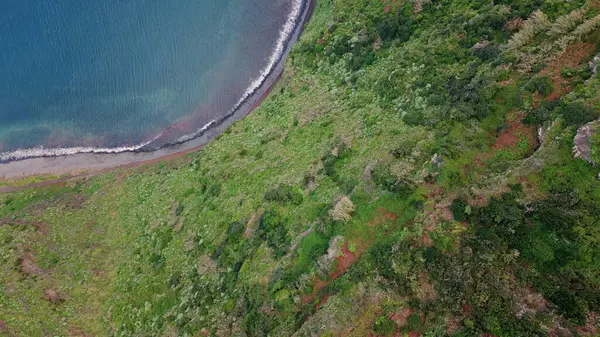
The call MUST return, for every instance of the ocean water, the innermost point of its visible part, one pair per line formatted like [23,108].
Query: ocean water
[114,75]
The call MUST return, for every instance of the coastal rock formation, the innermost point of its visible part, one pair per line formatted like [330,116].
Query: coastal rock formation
[593,64]
[582,147]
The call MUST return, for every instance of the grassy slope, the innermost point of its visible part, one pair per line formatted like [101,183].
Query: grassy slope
[371,93]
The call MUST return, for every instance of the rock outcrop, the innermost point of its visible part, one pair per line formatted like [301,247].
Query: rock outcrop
[582,143]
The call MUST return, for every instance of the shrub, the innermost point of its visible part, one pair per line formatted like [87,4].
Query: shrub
[284,194]
[459,209]
[414,118]
[384,326]
[577,113]
[540,114]
[471,93]
[399,25]
[235,232]
[383,177]
[273,229]
[542,85]
[311,247]
[333,159]
[488,52]
[414,323]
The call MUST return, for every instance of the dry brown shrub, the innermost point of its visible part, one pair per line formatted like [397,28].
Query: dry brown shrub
[52,296]
[29,267]
[343,210]
[514,24]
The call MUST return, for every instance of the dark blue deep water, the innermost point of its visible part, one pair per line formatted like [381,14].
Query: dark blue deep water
[114,73]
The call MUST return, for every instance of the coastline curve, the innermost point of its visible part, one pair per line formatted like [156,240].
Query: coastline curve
[37,161]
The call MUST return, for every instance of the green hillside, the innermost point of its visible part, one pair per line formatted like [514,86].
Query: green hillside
[412,174]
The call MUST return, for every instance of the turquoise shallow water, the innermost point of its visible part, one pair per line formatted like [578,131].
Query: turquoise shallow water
[112,73]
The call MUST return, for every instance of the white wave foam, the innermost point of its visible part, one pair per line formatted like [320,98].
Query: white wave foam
[280,48]
[278,52]
[55,152]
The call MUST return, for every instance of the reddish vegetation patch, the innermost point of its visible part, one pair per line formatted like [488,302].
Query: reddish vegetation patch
[390,4]
[574,56]
[481,158]
[424,241]
[4,329]
[426,293]
[453,324]
[97,272]
[514,132]
[592,325]
[383,216]
[90,225]
[437,210]
[467,310]
[77,332]
[203,333]
[478,201]
[514,24]
[401,317]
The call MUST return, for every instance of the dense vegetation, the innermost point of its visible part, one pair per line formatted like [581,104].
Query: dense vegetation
[394,183]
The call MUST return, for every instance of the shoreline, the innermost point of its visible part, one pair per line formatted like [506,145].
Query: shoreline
[88,164]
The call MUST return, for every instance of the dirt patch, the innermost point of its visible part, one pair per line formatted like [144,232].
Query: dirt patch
[344,258]
[74,202]
[382,217]
[29,267]
[253,223]
[4,329]
[401,317]
[343,262]
[53,296]
[77,332]
[42,227]
[97,272]
[530,302]
[322,301]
